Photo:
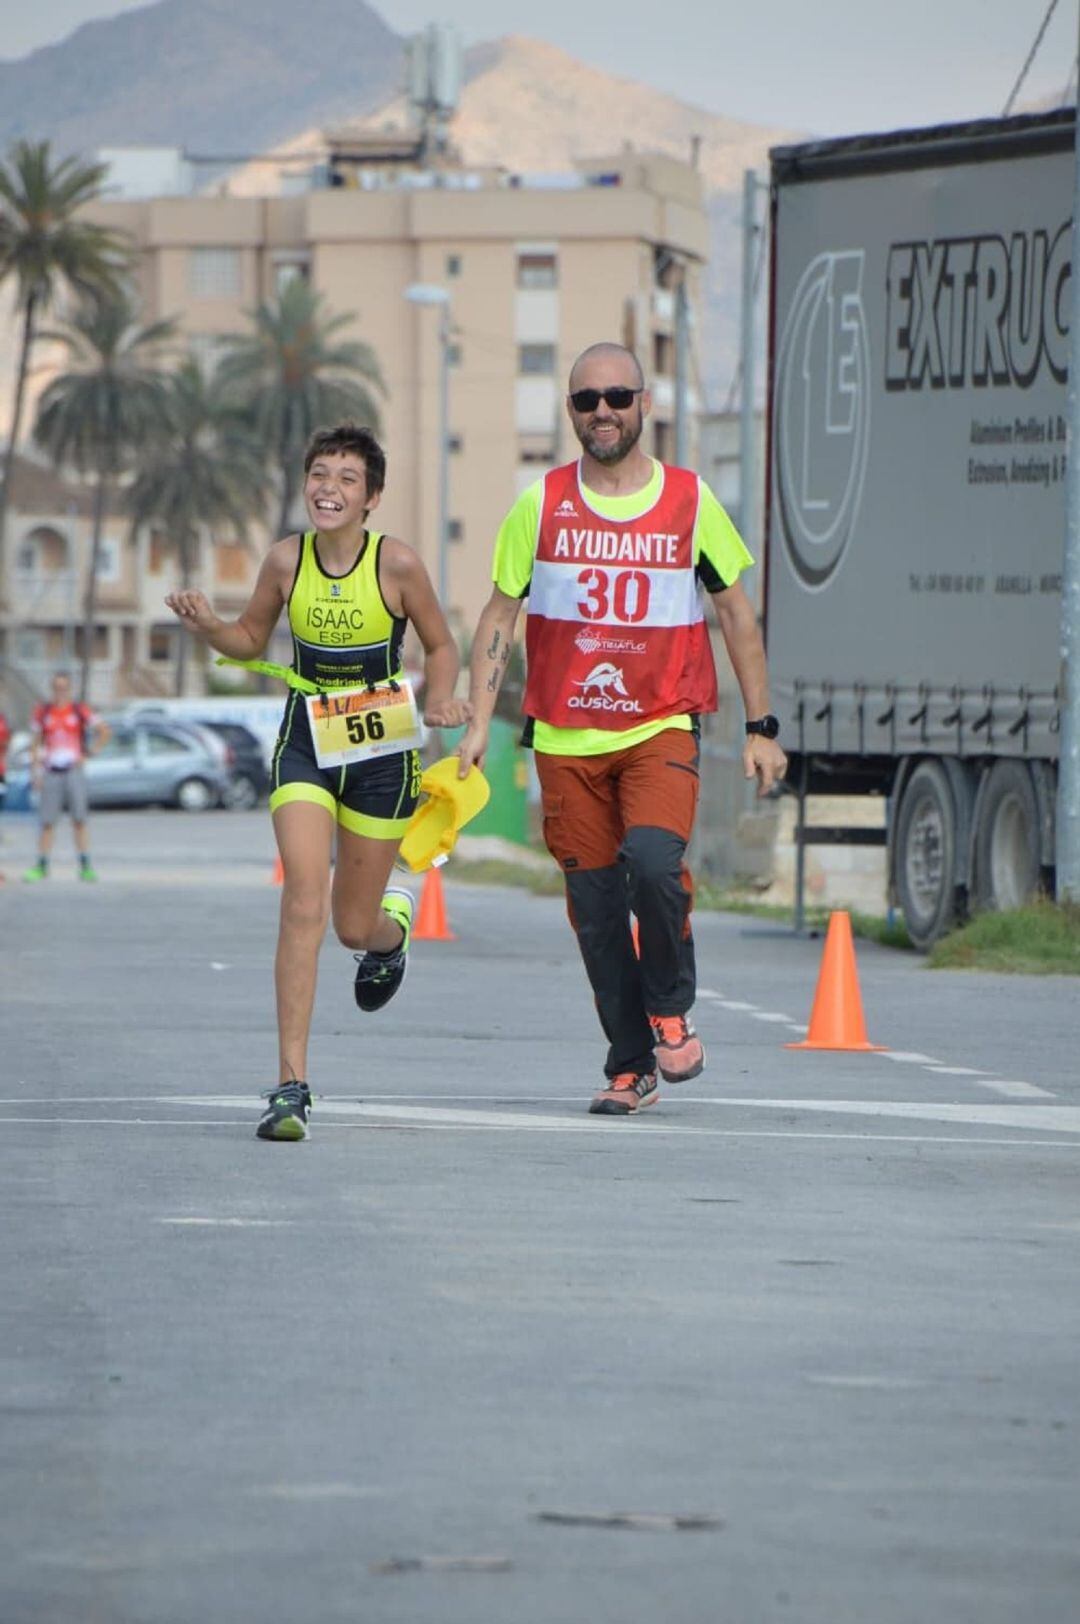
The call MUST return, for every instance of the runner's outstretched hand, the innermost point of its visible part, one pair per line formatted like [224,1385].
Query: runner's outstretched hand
[192,609]
[448,713]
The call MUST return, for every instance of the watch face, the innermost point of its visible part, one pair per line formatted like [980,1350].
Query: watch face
[767,727]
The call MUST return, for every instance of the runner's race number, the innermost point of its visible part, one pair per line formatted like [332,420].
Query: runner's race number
[624,597]
[359,724]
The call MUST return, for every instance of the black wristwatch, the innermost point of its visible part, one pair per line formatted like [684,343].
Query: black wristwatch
[767,727]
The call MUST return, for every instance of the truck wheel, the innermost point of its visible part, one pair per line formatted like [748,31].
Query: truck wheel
[1007,865]
[926,854]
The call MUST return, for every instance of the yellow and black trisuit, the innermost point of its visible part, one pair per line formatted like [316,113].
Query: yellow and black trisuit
[343,636]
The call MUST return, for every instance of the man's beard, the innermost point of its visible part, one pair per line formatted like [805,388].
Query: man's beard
[613,450]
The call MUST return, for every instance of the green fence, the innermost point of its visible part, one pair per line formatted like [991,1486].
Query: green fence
[507,771]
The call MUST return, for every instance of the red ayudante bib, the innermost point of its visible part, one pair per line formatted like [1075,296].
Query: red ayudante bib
[615,634]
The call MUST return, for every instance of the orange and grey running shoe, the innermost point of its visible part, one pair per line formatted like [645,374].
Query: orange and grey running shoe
[626,1093]
[677,1047]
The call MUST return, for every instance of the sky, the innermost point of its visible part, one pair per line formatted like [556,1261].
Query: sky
[826,67]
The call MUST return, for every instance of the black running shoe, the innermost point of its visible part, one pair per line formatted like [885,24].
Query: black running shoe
[379,975]
[287,1114]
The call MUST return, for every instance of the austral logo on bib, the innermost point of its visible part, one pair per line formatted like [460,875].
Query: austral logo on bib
[604,689]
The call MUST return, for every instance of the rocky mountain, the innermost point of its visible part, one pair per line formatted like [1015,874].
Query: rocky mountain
[529,107]
[209,75]
[222,77]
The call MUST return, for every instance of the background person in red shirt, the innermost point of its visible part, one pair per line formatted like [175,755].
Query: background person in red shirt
[61,733]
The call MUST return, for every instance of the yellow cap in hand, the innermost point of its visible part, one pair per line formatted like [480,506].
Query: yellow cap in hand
[438,820]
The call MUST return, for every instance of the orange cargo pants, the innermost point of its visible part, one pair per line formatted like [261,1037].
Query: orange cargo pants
[618,826]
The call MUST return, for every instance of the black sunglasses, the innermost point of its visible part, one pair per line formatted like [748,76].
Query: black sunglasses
[587,400]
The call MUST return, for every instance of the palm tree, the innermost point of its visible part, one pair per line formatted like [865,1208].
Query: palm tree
[94,417]
[46,249]
[203,468]
[293,375]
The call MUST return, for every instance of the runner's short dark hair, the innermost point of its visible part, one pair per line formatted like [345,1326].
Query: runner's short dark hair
[353,438]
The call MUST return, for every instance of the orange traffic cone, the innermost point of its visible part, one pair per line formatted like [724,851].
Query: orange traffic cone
[431,921]
[278,876]
[837,1018]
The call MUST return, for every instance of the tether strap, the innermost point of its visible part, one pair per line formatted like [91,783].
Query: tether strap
[284,673]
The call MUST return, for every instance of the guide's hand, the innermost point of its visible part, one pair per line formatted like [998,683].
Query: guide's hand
[192,609]
[764,760]
[473,748]
[448,713]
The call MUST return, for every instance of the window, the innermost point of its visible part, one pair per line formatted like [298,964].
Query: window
[537,271]
[453,355]
[161,642]
[454,442]
[453,264]
[455,530]
[108,563]
[290,270]
[214,273]
[663,354]
[99,649]
[536,456]
[163,744]
[160,551]
[536,360]
[26,558]
[121,742]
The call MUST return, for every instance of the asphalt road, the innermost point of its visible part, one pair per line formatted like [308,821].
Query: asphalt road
[798,1345]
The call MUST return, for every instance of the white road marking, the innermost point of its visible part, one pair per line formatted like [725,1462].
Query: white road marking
[654,1130]
[1018,1091]
[227,1223]
[709,992]
[868,1383]
[1044,1118]
[903,1057]
[1052,1118]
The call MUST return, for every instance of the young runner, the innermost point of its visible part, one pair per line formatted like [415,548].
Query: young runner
[611,551]
[345,767]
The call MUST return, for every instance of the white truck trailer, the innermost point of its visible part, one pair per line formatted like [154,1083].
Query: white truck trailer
[915,504]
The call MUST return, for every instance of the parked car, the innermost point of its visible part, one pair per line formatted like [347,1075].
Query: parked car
[146,764]
[249,780]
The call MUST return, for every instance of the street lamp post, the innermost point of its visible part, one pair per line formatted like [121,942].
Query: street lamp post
[427,293]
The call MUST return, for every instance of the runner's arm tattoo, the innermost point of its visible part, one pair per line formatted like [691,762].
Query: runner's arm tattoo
[499,652]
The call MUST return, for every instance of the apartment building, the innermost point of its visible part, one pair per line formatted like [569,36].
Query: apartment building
[529,270]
